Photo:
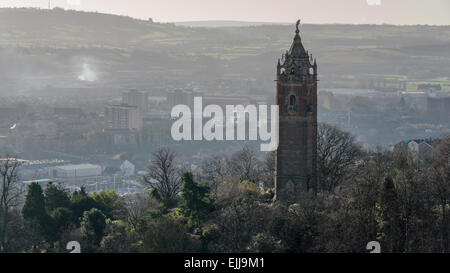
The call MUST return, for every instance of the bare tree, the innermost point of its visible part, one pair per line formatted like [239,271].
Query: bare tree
[164,175]
[244,165]
[336,153]
[438,174]
[214,171]
[137,207]
[10,193]
[268,170]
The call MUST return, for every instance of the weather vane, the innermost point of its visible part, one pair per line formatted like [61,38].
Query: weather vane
[296,26]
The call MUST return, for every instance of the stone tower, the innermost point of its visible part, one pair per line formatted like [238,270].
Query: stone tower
[295,160]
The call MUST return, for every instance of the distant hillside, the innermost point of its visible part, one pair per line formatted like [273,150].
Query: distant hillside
[215,24]
[39,41]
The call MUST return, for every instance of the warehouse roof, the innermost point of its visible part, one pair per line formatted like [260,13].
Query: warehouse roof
[78,166]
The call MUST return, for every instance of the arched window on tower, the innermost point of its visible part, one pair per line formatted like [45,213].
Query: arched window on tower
[292,100]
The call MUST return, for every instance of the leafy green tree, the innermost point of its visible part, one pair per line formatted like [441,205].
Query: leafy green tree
[93,226]
[35,213]
[55,197]
[19,235]
[119,238]
[210,237]
[111,204]
[81,202]
[63,219]
[237,223]
[264,243]
[196,198]
[34,207]
[168,235]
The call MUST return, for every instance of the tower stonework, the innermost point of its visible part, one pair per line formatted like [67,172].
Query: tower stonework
[296,96]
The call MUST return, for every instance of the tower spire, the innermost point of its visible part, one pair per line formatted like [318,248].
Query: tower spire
[296,26]
[297,61]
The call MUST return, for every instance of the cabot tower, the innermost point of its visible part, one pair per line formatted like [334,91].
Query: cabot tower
[295,160]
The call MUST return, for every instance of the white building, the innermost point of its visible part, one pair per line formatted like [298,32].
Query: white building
[127,169]
[123,117]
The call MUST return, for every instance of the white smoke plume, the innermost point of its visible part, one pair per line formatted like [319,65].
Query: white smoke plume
[87,74]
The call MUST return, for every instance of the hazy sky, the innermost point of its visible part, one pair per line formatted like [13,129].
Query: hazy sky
[310,11]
